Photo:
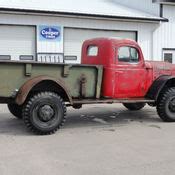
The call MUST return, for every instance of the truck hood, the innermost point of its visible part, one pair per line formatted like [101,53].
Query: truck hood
[160,68]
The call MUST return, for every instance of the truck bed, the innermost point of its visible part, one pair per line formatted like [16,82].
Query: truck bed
[81,80]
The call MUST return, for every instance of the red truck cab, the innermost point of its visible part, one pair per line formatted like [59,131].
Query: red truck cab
[126,75]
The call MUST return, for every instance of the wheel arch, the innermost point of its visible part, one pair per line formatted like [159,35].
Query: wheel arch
[159,85]
[39,83]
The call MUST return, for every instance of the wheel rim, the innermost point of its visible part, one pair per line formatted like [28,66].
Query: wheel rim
[170,107]
[45,115]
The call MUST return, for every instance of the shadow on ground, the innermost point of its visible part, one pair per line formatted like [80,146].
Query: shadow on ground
[102,116]
[89,116]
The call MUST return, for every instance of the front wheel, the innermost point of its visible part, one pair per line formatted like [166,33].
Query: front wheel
[166,105]
[134,106]
[44,113]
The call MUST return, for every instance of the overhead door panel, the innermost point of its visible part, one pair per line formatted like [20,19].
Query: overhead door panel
[17,42]
[74,38]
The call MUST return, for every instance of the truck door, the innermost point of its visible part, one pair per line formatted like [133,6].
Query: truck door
[130,73]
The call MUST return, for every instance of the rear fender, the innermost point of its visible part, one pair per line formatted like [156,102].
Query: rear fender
[27,87]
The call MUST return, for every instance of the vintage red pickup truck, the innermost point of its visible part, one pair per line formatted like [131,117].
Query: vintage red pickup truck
[112,71]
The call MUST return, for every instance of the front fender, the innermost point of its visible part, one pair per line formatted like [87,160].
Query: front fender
[158,85]
[27,87]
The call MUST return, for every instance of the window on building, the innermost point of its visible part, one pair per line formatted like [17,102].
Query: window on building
[128,54]
[5,57]
[168,57]
[92,51]
[26,57]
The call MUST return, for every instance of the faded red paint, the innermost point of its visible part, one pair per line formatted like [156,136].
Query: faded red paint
[121,79]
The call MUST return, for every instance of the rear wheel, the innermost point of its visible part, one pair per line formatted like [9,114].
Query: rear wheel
[134,106]
[166,105]
[15,109]
[44,113]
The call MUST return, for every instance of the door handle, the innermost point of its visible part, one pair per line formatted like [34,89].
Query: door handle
[119,72]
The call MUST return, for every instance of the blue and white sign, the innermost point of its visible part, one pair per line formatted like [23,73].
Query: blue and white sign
[50,42]
[50,33]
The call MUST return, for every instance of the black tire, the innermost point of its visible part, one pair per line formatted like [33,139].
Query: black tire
[152,104]
[15,109]
[166,105]
[134,106]
[44,113]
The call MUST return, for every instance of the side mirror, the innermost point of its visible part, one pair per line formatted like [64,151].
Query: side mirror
[148,65]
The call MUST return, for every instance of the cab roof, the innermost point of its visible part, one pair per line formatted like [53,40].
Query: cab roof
[111,40]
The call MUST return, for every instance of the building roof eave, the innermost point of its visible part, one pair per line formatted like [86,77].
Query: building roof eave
[46,12]
[166,2]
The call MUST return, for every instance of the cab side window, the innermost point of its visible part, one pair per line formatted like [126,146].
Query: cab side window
[124,54]
[128,54]
[92,51]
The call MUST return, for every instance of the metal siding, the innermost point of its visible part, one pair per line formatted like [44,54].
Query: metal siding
[163,36]
[17,40]
[74,39]
[145,39]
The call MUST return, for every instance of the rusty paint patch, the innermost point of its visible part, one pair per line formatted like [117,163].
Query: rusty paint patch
[26,88]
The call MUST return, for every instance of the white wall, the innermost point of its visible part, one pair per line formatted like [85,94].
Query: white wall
[143,5]
[145,30]
[164,36]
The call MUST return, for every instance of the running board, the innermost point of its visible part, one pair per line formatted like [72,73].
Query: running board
[98,101]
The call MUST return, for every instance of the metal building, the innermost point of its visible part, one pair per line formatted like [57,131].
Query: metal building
[53,31]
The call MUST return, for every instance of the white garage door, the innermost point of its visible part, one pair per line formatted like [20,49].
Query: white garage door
[73,40]
[17,42]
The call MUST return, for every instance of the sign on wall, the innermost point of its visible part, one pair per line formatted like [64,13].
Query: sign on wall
[50,33]
[49,41]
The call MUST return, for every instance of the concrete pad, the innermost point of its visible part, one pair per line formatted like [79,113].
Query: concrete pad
[96,140]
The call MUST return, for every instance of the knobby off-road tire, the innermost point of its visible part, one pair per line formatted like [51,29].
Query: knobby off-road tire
[166,105]
[15,109]
[134,106]
[44,113]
